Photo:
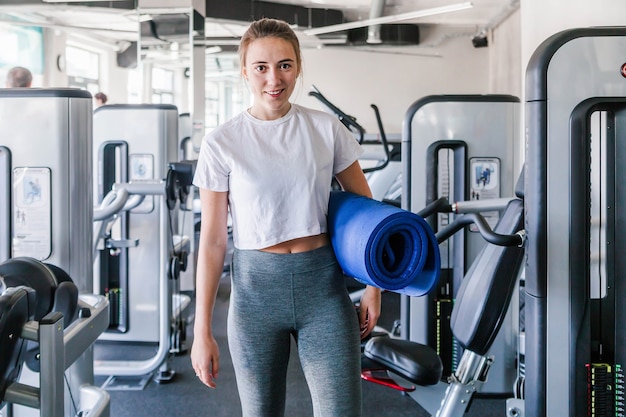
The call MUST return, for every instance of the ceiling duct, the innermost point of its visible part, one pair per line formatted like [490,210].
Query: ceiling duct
[166,28]
[398,34]
[128,57]
[249,10]
[109,4]
[389,34]
[373,31]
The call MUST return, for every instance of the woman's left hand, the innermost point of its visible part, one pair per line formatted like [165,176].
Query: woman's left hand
[369,310]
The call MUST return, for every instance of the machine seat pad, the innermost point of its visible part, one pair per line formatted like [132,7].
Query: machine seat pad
[413,361]
[54,287]
[28,272]
[65,295]
[54,291]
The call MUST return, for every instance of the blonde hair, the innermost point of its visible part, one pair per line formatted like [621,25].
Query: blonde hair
[264,28]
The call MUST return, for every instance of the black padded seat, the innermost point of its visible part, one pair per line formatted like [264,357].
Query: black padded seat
[65,298]
[415,362]
[31,273]
[485,292]
[17,306]
[54,291]
[54,288]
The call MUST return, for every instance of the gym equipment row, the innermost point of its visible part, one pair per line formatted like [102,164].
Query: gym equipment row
[37,203]
[570,356]
[572,345]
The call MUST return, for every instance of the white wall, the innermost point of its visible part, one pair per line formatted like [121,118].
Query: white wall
[352,80]
[505,57]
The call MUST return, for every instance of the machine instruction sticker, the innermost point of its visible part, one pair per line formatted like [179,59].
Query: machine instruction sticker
[485,184]
[142,168]
[32,214]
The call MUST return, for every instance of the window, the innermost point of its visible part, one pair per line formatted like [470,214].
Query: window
[134,86]
[224,99]
[212,105]
[226,94]
[83,69]
[162,86]
[21,46]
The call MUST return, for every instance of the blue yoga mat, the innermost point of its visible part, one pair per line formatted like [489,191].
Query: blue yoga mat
[382,245]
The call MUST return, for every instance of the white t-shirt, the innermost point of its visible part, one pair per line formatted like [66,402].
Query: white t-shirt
[278,172]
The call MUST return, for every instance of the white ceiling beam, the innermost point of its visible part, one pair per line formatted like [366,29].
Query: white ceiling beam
[389,19]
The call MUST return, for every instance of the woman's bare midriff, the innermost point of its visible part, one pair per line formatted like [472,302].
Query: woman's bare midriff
[302,244]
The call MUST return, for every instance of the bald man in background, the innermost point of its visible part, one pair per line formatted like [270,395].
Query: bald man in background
[19,77]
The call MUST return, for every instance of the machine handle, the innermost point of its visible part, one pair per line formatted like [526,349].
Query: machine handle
[485,230]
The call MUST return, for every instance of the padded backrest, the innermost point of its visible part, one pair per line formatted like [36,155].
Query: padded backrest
[485,292]
[34,274]
[55,290]
[17,306]
[65,300]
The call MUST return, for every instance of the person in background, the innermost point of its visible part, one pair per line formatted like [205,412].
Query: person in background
[19,77]
[272,167]
[100,99]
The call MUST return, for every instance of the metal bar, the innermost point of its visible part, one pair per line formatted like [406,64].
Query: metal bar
[52,366]
[83,332]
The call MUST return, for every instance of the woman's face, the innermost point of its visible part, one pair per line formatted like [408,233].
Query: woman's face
[271,70]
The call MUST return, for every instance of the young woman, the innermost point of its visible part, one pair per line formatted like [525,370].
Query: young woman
[272,165]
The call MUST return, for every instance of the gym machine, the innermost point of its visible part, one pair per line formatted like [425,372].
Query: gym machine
[46,208]
[381,159]
[467,145]
[575,287]
[478,313]
[139,263]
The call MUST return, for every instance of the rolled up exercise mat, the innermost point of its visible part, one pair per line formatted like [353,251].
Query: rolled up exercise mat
[382,245]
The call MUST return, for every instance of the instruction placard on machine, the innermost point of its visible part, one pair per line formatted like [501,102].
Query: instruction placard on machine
[142,168]
[32,214]
[485,184]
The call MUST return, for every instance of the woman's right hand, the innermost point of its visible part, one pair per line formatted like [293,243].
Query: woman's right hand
[205,359]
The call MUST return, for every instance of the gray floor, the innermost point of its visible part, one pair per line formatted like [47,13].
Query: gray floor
[185,396]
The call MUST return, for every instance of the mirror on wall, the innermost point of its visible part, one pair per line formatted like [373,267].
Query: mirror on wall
[164,55]
[171,56]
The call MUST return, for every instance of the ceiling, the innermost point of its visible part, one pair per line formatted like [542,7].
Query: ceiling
[116,24]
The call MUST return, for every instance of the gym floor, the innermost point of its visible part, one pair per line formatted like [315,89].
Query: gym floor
[186,396]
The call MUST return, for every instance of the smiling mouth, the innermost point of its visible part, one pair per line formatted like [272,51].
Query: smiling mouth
[274,93]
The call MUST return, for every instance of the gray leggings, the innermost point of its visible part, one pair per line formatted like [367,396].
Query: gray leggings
[276,296]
